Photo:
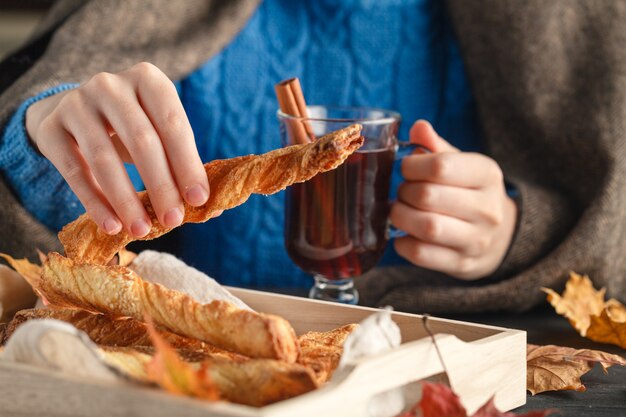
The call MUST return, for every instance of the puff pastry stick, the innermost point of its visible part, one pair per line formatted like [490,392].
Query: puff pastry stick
[321,351]
[117,332]
[259,382]
[100,328]
[232,181]
[184,354]
[119,292]
[255,382]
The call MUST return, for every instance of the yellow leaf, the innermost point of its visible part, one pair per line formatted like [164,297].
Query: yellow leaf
[174,375]
[586,310]
[558,368]
[29,271]
[578,302]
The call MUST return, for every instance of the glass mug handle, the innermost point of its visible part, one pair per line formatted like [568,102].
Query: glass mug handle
[404,148]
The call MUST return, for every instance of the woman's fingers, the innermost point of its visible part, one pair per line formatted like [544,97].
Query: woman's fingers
[128,119]
[133,116]
[446,164]
[454,207]
[469,170]
[463,203]
[423,133]
[433,228]
[435,257]
[438,229]
[61,149]
[97,149]
[159,99]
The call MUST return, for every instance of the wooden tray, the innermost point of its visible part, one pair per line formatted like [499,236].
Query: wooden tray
[482,361]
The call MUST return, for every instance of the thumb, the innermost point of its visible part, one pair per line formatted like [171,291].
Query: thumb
[423,133]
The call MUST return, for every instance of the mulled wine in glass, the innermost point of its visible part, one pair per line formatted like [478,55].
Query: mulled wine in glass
[336,224]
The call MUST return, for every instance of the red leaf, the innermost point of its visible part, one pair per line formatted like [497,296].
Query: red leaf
[439,400]
[490,410]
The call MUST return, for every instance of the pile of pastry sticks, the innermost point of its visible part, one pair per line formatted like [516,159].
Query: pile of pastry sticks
[251,358]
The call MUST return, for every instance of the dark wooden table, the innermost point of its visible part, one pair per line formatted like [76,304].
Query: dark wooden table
[605,395]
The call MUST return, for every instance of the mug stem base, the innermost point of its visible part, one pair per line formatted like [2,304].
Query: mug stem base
[339,291]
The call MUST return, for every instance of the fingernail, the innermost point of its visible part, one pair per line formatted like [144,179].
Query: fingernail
[111,226]
[196,195]
[173,217]
[139,228]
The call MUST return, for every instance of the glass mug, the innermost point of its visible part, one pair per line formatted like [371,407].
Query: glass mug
[336,224]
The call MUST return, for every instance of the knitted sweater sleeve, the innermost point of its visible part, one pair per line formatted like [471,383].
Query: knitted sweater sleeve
[36,182]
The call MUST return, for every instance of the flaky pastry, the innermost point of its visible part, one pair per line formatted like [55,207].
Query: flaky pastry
[119,292]
[105,330]
[232,181]
[259,382]
[256,382]
[321,351]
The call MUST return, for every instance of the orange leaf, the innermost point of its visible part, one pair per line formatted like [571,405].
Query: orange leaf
[616,310]
[587,311]
[558,368]
[174,375]
[604,328]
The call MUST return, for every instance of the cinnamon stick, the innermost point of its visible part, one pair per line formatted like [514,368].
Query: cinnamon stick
[291,102]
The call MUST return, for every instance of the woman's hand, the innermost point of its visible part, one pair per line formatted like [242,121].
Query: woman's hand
[454,207]
[132,116]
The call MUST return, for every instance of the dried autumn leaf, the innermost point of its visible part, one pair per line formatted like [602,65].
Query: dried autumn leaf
[610,326]
[616,310]
[558,368]
[439,400]
[490,410]
[170,372]
[29,271]
[586,310]
[578,302]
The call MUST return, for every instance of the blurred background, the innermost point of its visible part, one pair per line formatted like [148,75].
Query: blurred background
[18,18]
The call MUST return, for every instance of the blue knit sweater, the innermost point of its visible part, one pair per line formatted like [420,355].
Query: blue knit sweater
[396,54]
